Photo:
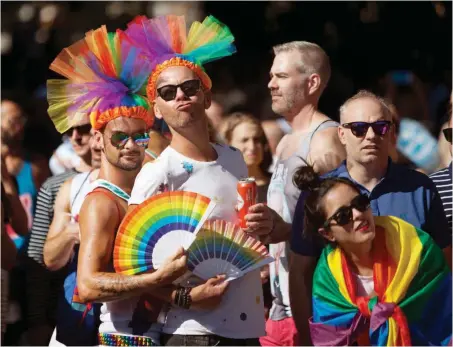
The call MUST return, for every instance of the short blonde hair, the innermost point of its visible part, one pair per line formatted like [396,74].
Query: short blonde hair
[365,94]
[313,58]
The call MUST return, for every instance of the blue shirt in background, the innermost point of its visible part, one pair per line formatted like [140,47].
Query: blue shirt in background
[402,192]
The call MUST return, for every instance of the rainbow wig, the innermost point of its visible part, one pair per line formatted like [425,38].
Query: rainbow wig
[105,80]
[165,43]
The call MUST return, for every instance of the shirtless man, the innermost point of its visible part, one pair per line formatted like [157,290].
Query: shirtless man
[299,74]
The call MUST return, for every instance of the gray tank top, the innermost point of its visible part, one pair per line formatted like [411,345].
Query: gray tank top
[282,197]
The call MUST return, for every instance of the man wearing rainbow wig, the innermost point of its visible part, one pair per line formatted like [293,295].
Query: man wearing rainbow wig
[104,81]
[214,313]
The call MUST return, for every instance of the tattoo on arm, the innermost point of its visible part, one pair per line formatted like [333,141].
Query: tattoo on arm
[116,284]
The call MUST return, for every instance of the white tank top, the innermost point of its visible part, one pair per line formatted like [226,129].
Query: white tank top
[80,187]
[117,315]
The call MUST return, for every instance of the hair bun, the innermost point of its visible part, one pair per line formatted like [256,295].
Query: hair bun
[305,178]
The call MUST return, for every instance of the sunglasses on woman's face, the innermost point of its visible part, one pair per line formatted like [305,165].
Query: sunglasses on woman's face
[447,134]
[119,139]
[189,88]
[359,129]
[343,215]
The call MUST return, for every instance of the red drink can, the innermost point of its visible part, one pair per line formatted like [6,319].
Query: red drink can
[247,195]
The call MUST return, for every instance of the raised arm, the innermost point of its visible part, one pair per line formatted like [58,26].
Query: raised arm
[63,234]
[99,221]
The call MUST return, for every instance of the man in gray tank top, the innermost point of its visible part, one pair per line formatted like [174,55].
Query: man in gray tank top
[299,75]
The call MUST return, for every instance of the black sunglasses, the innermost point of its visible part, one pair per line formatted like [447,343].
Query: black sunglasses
[189,88]
[344,214]
[359,129]
[447,134]
[81,130]
[119,139]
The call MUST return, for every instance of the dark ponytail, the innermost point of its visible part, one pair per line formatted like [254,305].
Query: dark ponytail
[307,180]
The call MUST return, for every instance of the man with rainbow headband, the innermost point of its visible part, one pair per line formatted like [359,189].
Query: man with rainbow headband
[104,79]
[213,313]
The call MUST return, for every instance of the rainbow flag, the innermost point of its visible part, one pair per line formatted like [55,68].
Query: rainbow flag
[414,294]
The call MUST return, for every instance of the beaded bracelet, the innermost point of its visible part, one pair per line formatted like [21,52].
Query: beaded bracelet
[183,298]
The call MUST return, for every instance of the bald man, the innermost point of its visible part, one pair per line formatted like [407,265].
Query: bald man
[367,133]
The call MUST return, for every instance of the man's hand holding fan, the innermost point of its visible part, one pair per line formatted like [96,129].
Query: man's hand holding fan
[164,223]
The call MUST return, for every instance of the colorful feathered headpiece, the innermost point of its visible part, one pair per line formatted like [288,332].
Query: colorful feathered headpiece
[106,79]
[165,43]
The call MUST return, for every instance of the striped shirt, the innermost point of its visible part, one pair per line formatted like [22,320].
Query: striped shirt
[42,285]
[443,181]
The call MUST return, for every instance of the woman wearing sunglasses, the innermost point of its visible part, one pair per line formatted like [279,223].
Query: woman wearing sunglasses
[379,280]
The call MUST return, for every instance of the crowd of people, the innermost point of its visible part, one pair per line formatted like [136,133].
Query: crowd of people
[357,214]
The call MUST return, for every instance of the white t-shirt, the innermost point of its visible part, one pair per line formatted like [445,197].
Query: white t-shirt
[365,285]
[241,313]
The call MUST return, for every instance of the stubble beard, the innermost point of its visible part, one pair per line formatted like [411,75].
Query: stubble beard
[182,121]
[129,166]
[124,166]
[286,103]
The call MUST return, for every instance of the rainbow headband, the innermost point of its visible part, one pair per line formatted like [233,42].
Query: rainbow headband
[165,43]
[105,80]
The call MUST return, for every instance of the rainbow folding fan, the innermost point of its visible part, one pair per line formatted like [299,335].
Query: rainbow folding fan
[224,248]
[157,228]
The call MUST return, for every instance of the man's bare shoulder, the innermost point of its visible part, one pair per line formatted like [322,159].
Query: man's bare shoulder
[329,134]
[100,204]
[67,184]
[326,150]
